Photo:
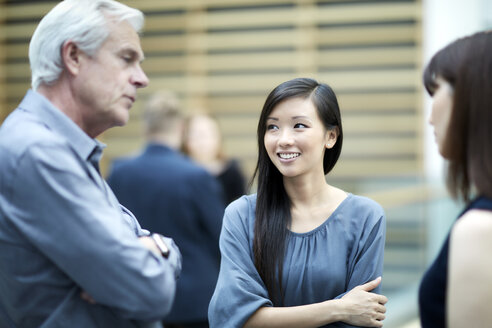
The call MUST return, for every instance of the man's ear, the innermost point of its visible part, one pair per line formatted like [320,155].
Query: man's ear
[71,56]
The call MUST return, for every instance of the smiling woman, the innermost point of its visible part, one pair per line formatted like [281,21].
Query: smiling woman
[295,135]
[300,252]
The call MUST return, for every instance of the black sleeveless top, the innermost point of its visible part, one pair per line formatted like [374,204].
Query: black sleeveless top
[432,291]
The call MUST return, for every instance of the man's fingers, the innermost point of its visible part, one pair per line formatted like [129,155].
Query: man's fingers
[86,297]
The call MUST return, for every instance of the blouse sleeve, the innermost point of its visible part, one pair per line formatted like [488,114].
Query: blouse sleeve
[239,291]
[366,259]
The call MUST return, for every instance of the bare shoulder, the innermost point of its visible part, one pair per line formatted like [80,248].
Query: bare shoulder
[474,224]
[470,271]
[471,239]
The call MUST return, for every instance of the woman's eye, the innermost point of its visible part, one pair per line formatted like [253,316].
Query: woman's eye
[300,125]
[272,127]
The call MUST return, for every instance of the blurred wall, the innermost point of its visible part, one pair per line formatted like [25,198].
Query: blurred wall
[3,73]
[443,22]
[226,56]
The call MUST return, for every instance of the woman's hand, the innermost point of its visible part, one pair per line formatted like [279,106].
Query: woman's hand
[363,308]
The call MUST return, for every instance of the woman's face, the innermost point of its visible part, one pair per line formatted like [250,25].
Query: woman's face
[295,138]
[442,104]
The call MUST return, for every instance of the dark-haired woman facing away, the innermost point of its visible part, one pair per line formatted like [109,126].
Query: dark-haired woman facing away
[300,252]
[456,290]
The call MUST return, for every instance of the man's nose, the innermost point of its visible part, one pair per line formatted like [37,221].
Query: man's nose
[140,79]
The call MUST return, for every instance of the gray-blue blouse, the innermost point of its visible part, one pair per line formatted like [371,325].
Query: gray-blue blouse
[343,252]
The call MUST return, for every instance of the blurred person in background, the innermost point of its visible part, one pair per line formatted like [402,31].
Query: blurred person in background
[300,252]
[202,142]
[456,289]
[171,194]
[70,254]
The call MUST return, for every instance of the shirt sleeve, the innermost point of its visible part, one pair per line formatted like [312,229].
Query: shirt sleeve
[240,290]
[69,219]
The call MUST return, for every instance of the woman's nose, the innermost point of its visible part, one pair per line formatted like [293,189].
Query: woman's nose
[286,138]
[430,119]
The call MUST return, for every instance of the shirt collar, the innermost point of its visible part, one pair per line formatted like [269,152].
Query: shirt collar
[57,121]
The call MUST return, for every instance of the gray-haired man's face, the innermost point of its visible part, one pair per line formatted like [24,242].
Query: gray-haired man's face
[108,81]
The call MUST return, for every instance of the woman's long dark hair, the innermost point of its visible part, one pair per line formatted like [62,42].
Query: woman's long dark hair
[273,216]
[469,134]
[445,63]
[466,65]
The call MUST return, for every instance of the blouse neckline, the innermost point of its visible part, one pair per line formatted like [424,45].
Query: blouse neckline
[324,223]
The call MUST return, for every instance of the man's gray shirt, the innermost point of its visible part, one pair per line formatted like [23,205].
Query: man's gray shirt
[62,231]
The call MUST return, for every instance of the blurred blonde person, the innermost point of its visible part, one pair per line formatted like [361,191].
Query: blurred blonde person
[203,143]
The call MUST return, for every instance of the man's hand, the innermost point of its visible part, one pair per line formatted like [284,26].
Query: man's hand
[86,297]
[174,258]
[149,243]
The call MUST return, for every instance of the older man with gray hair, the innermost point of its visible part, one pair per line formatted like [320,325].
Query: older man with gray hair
[70,254]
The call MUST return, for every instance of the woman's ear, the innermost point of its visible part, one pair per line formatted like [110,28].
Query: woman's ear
[331,137]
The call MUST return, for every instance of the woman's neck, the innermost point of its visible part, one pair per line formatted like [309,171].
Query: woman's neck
[312,202]
[307,191]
